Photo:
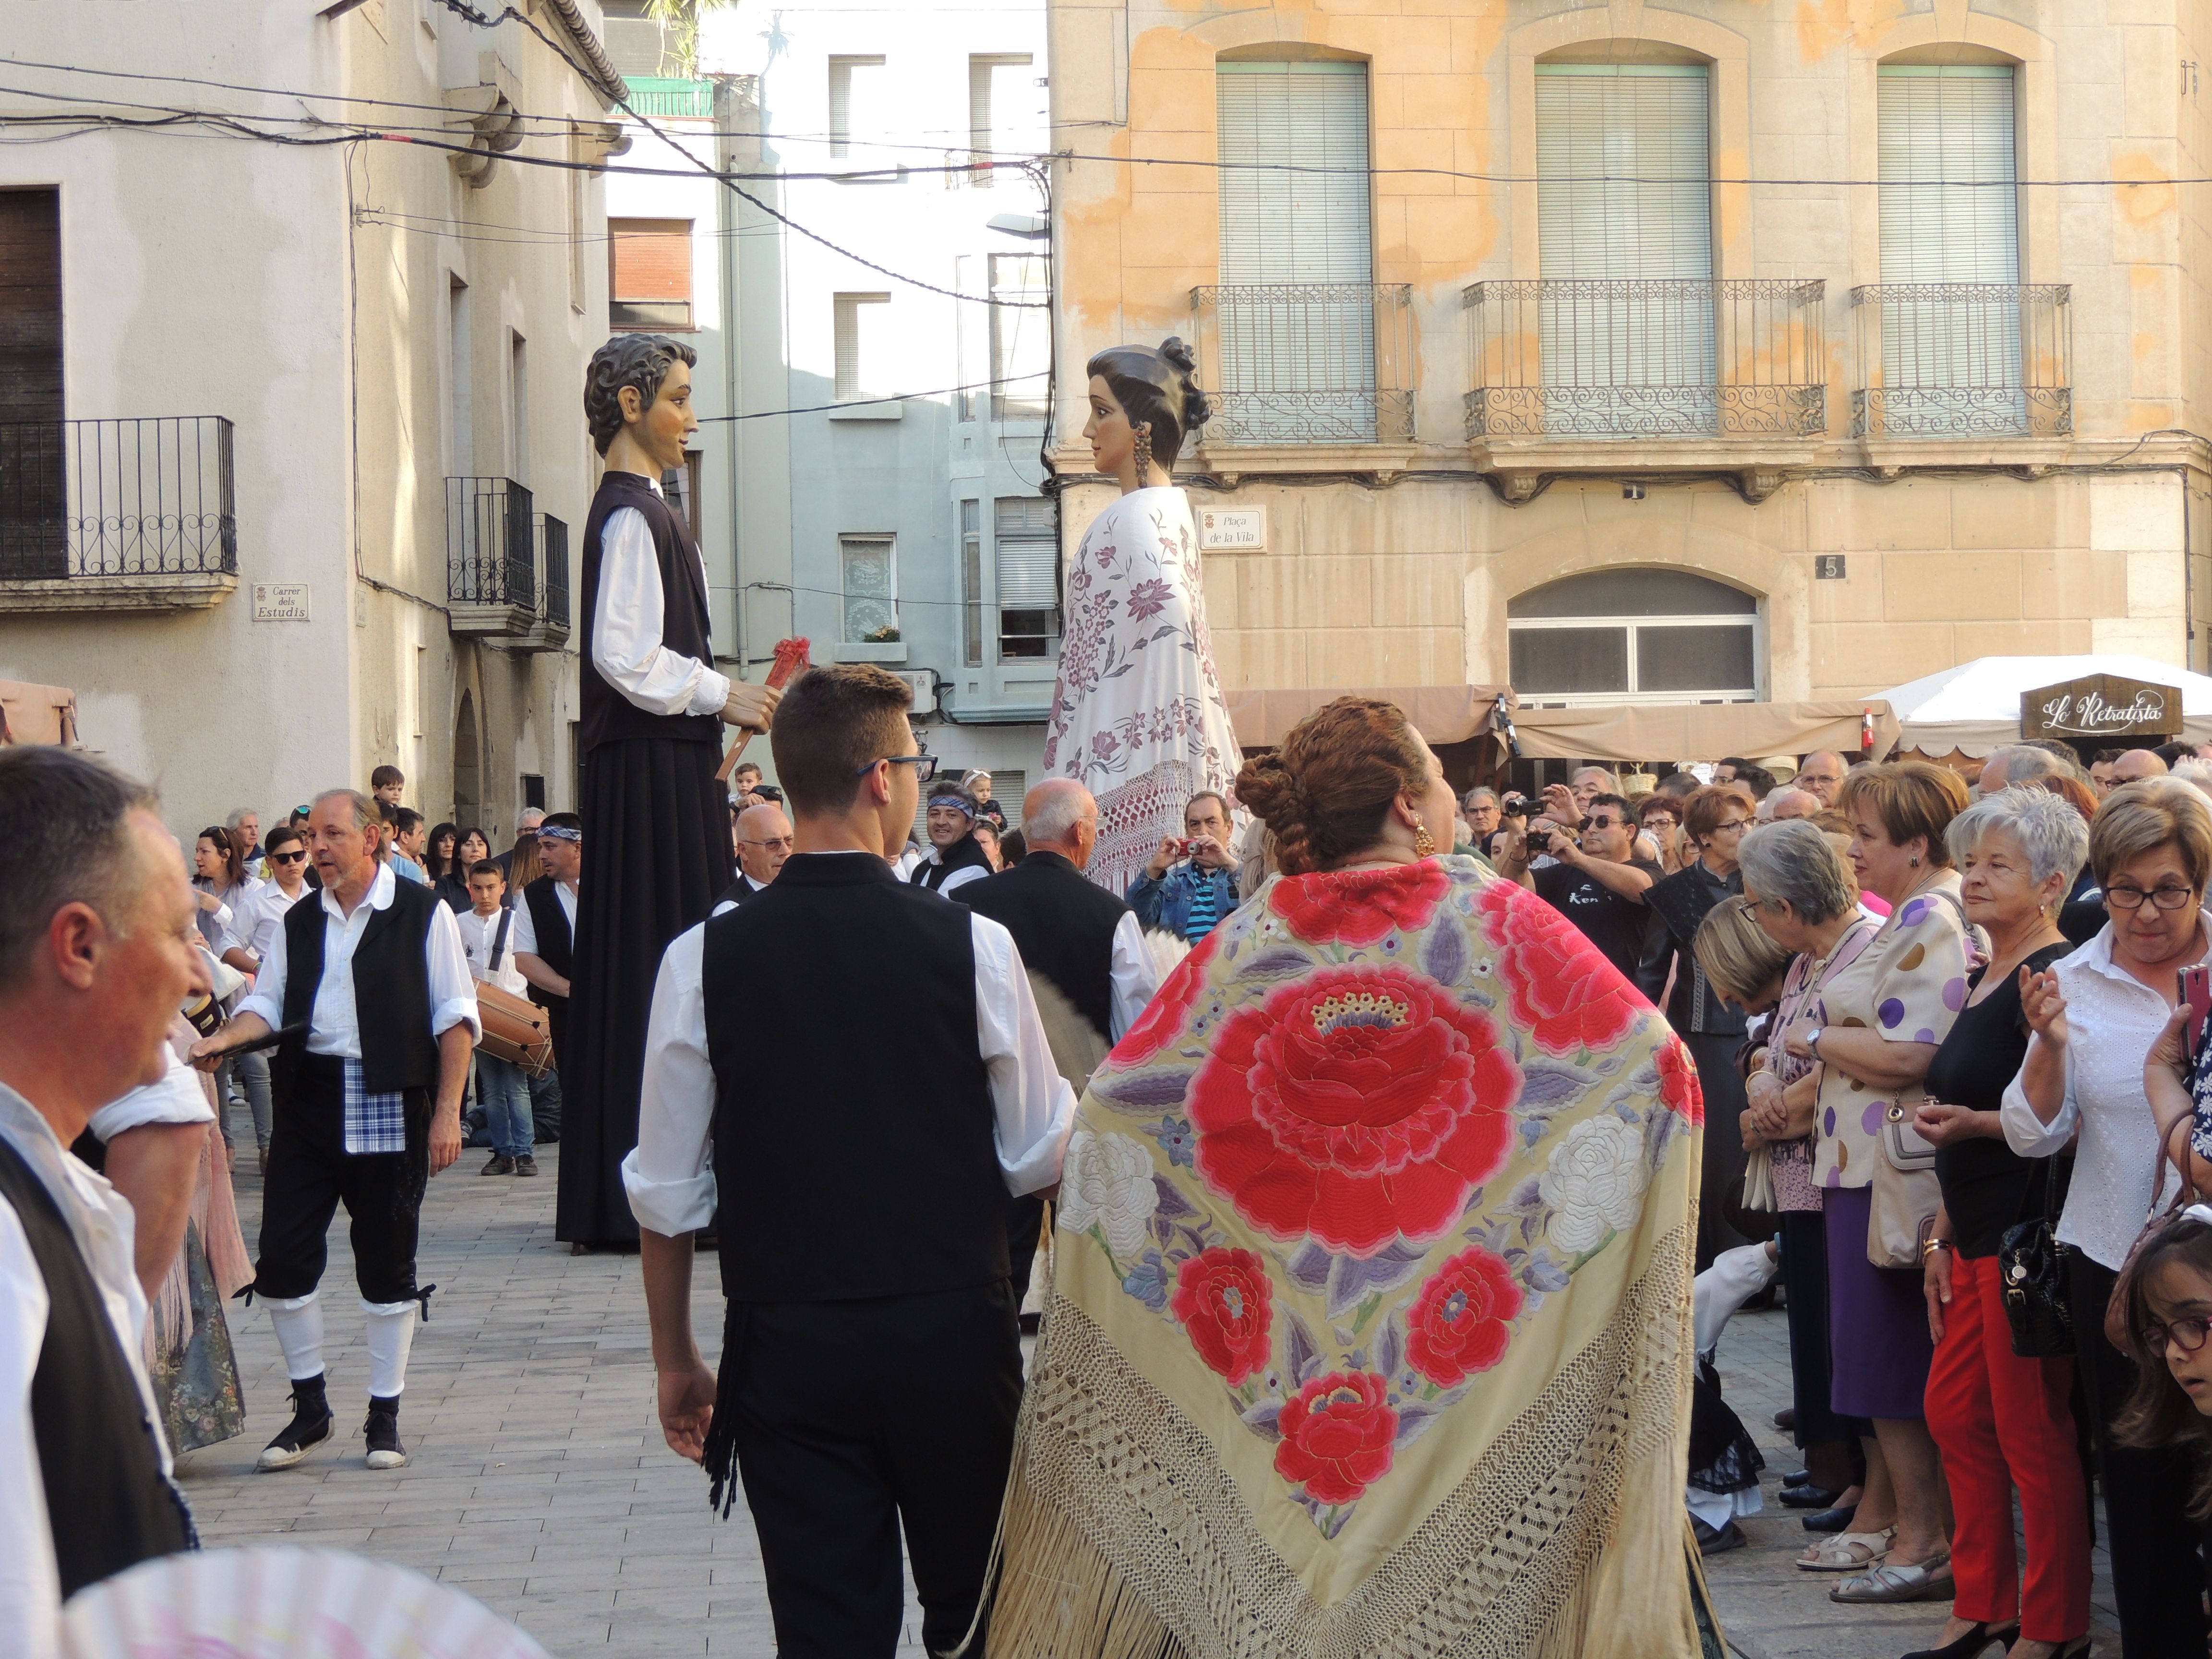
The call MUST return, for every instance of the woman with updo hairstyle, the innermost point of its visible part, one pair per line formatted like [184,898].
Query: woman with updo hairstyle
[1138,716]
[1350,781]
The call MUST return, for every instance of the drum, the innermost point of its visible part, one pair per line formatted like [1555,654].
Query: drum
[515,1029]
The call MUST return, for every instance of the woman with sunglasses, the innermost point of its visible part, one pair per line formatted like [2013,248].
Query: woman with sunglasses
[1717,814]
[2095,1016]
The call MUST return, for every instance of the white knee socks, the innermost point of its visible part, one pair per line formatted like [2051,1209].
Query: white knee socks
[391,1334]
[298,1322]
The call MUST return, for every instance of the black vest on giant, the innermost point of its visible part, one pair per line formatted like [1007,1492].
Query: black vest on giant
[604,714]
[840,1021]
[1063,924]
[391,991]
[106,1500]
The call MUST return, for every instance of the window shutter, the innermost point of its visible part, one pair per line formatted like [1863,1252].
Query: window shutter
[859,322]
[852,114]
[1021,338]
[649,273]
[1027,542]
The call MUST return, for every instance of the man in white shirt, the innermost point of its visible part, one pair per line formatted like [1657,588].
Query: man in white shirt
[764,842]
[488,936]
[843,1032]
[650,713]
[97,952]
[369,989]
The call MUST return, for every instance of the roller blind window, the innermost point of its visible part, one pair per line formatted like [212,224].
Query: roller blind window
[1297,313]
[862,322]
[648,275]
[1006,109]
[855,85]
[1025,541]
[1021,337]
[1623,195]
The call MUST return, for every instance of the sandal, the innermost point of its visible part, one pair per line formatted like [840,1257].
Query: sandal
[1848,1551]
[1920,1581]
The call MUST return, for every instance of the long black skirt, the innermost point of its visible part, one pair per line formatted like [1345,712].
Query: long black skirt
[656,851]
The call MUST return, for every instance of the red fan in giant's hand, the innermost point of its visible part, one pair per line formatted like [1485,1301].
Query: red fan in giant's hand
[790,658]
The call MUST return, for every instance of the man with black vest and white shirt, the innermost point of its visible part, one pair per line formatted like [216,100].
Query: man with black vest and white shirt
[98,951]
[545,922]
[845,1038]
[1085,951]
[371,989]
[651,707]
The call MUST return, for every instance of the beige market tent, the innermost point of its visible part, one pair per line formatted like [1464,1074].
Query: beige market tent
[1700,731]
[1442,714]
[37,713]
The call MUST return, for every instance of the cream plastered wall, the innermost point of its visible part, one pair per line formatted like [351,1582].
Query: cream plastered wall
[1402,574]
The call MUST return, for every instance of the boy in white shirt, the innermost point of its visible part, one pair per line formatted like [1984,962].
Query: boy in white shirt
[487,934]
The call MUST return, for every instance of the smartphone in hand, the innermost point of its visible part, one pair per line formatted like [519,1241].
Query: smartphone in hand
[2197,992]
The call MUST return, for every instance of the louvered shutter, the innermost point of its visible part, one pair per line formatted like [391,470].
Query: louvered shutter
[1027,544]
[1295,210]
[1950,215]
[1623,193]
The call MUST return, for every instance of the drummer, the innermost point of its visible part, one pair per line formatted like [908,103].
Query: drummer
[487,934]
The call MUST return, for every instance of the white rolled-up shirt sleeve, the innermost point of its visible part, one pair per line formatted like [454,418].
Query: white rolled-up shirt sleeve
[178,1097]
[1034,1107]
[267,997]
[30,1582]
[2028,1135]
[1134,978]
[626,645]
[452,988]
[669,1174]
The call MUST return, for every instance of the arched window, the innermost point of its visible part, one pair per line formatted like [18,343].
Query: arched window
[1615,635]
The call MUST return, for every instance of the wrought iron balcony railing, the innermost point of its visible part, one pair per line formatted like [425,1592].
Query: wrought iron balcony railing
[490,579]
[553,542]
[1601,358]
[151,497]
[669,97]
[1307,363]
[1963,360]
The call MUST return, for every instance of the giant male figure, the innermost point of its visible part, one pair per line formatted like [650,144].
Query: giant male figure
[656,821]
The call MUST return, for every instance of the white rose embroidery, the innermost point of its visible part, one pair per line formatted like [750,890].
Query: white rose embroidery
[1594,1182]
[1108,1181]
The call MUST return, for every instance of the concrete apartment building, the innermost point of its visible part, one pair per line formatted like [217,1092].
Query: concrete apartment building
[291,447]
[880,491]
[1735,352]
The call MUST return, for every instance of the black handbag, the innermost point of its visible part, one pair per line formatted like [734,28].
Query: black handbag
[2032,1271]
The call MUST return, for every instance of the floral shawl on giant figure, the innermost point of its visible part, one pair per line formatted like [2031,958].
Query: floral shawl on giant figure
[1371,1311]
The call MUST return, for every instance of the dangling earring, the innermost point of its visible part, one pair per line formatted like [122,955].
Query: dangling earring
[1424,844]
[1144,453]
[1915,861]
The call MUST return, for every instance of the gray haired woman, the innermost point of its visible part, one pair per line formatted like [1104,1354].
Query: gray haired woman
[1799,889]
[2001,1421]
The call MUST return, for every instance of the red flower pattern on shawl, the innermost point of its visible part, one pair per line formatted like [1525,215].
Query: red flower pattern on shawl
[1226,1305]
[1458,1323]
[1337,1436]
[1162,1021]
[1360,907]
[1563,989]
[1355,1104]
[1679,1086]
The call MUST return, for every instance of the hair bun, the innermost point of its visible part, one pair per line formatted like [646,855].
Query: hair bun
[1177,353]
[1197,407]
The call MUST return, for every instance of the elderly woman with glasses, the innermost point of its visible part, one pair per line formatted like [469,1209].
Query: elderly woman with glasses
[1801,892]
[2002,1421]
[2096,1015]
[1888,1012]
[1717,815]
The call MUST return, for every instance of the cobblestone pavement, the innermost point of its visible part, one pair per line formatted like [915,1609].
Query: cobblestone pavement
[540,1482]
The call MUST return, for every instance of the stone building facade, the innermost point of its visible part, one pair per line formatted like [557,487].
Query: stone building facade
[1631,353]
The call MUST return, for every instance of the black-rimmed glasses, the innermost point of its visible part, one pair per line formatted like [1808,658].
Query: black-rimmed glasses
[2166,898]
[2186,1334]
[924,766]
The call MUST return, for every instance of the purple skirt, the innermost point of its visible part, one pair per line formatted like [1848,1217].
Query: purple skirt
[1878,1343]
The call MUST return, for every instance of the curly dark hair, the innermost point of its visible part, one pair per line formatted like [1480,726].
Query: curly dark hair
[1159,387]
[1325,790]
[640,360]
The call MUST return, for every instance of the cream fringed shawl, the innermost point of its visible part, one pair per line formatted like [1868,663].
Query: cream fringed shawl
[1371,1306]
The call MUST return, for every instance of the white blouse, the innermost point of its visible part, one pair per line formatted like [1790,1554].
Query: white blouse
[626,646]
[2119,1173]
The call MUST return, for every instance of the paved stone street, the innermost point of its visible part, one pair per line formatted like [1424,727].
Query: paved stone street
[540,1483]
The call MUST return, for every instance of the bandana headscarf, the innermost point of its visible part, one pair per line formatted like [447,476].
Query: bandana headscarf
[959,804]
[1369,1318]
[560,832]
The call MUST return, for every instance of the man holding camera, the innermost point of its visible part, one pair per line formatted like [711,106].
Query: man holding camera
[1191,883]
[1596,883]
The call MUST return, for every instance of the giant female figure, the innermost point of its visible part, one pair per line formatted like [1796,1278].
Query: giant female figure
[1138,716]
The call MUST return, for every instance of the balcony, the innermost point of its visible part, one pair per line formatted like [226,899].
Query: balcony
[133,514]
[1306,364]
[669,97]
[550,631]
[491,583]
[1968,362]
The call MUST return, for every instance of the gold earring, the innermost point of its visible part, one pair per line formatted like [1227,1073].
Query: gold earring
[1144,452]
[1424,844]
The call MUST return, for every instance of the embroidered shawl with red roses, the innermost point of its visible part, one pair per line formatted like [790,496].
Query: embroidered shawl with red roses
[1370,1297]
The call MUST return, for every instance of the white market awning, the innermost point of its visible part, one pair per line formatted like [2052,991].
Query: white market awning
[1975,708]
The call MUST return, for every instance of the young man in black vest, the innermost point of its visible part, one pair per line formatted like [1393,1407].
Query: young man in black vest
[545,951]
[371,985]
[97,951]
[843,1034]
[1085,952]
[652,709]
